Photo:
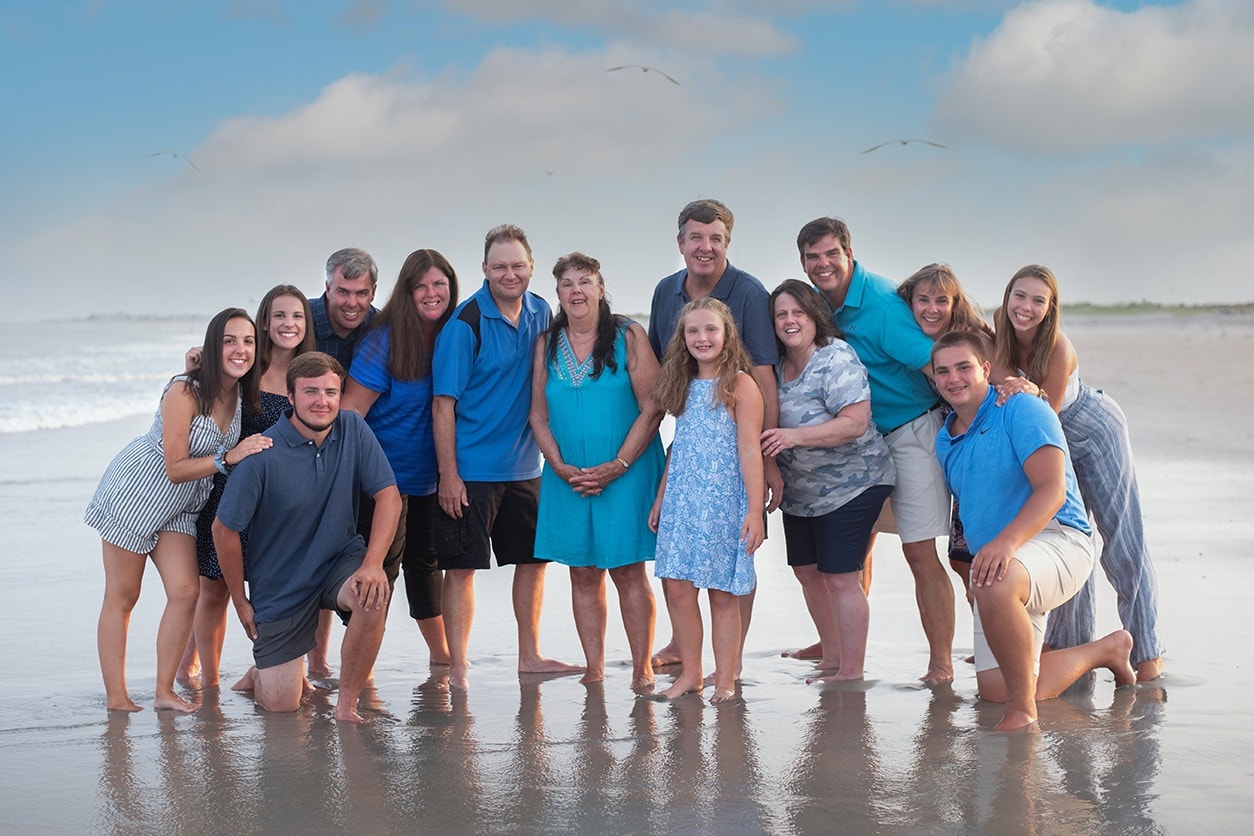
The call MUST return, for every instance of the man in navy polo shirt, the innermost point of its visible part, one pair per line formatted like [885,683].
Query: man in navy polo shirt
[878,325]
[299,504]
[488,458]
[705,228]
[342,312]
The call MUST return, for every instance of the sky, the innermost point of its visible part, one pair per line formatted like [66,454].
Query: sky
[175,158]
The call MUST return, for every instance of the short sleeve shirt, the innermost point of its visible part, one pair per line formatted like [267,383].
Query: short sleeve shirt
[878,324]
[818,480]
[490,378]
[299,504]
[984,465]
[742,293]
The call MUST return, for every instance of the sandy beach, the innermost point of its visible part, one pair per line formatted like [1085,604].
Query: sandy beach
[549,755]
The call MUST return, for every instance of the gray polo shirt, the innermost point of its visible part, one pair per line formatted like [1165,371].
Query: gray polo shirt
[299,504]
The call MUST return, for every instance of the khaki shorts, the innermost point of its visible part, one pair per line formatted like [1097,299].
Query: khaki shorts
[920,502]
[1059,561]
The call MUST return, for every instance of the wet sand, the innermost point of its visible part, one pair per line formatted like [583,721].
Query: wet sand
[529,754]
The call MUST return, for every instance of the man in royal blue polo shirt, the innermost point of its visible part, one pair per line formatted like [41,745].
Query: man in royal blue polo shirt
[488,458]
[1027,527]
[878,325]
[299,504]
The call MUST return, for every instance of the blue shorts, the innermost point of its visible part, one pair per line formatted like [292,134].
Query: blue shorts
[836,541]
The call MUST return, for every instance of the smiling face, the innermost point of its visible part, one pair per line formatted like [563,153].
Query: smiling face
[239,343]
[829,267]
[960,376]
[348,301]
[1028,303]
[508,270]
[286,324]
[704,248]
[315,403]
[579,292]
[933,308]
[793,326]
[704,336]
[431,295]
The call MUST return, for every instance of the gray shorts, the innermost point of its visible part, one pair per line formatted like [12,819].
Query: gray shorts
[292,637]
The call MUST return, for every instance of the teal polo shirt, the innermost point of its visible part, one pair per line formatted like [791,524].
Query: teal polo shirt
[490,378]
[881,329]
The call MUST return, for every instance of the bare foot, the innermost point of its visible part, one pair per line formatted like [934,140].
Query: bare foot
[245,682]
[723,696]
[937,674]
[1015,720]
[443,661]
[642,684]
[542,664]
[712,679]
[666,656]
[1149,670]
[836,677]
[187,678]
[123,704]
[827,665]
[347,714]
[320,671]
[592,675]
[810,651]
[173,702]
[458,677]
[1118,662]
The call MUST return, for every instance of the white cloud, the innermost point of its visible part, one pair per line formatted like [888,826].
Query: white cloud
[1062,76]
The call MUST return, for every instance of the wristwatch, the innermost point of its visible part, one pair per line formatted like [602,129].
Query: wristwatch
[219,461]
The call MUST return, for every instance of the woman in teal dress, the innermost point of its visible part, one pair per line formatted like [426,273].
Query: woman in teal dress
[594,418]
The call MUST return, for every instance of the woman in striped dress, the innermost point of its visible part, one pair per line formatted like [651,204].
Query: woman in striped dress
[146,503]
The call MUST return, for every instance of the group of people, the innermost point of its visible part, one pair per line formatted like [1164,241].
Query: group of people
[301,463]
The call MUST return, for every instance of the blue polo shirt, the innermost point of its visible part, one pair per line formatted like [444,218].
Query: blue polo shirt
[750,307]
[329,342]
[880,327]
[299,504]
[400,416]
[491,383]
[984,465]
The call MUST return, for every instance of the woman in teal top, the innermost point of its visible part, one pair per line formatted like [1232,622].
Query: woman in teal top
[595,421]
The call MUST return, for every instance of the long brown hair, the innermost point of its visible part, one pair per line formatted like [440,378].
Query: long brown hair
[408,355]
[265,347]
[966,315]
[1036,364]
[679,367]
[208,378]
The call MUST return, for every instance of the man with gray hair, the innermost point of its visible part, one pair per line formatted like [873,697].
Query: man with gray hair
[342,312]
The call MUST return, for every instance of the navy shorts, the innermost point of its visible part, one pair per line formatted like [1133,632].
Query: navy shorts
[836,541]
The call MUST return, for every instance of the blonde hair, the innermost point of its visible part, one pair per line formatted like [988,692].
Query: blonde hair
[679,367]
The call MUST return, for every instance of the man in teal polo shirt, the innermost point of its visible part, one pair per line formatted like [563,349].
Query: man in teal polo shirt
[488,458]
[878,324]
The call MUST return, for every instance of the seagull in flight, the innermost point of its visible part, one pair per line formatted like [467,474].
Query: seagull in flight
[904,142]
[644,69]
[176,155]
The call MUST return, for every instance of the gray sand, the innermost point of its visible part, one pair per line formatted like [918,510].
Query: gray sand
[550,755]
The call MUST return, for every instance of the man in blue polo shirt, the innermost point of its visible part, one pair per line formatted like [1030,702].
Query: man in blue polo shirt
[878,325]
[342,312]
[1027,527]
[488,458]
[299,504]
[705,228]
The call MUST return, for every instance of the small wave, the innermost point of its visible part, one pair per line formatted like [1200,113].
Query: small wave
[53,378]
[34,420]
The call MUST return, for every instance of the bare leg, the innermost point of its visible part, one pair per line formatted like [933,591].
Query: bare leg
[852,614]
[866,569]
[822,612]
[587,594]
[124,574]
[209,628]
[319,666]
[278,688]
[635,600]
[963,570]
[685,613]
[189,665]
[668,655]
[1008,630]
[175,559]
[528,598]
[432,630]
[727,635]
[1150,669]
[362,638]
[459,612]
[934,593]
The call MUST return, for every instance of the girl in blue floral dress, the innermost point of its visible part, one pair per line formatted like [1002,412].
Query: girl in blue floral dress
[709,510]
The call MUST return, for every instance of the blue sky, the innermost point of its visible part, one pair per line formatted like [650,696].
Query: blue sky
[1113,141]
